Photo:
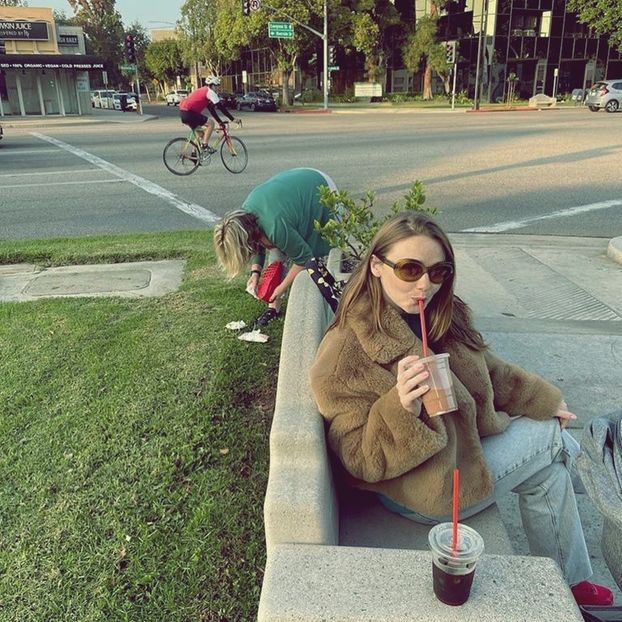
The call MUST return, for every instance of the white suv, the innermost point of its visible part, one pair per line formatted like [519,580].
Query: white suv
[174,97]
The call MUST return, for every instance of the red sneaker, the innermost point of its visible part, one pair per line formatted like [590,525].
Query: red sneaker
[587,593]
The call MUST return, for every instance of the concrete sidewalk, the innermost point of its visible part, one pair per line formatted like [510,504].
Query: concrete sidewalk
[551,304]
[98,116]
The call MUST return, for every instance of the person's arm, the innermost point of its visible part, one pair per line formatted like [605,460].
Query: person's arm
[212,110]
[374,436]
[519,392]
[283,286]
[224,110]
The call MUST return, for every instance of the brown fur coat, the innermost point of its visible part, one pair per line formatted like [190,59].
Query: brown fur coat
[410,458]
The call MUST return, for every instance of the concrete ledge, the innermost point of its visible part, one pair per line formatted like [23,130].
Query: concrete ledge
[300,503]
[364,521]
[305,583]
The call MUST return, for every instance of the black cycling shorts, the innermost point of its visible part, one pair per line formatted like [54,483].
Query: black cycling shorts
[192,119]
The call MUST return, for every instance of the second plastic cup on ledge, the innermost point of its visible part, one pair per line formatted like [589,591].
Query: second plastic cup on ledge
[440,399]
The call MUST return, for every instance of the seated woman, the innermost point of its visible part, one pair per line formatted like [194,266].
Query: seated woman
[505,435]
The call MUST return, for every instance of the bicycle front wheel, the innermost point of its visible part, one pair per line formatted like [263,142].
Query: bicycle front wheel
[233,154]
[181,156]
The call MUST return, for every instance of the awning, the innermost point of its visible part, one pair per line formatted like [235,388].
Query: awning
[50,61]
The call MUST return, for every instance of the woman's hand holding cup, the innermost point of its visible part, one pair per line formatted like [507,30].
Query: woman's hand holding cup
[410,376]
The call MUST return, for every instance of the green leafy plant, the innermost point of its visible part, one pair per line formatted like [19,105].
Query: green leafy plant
[353,225]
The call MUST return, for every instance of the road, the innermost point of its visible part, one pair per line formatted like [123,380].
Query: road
[550,172]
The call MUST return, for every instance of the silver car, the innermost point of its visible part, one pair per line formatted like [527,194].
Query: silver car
[605,94]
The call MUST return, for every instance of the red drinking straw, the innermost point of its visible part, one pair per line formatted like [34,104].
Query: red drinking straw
[455,512]
[424,332]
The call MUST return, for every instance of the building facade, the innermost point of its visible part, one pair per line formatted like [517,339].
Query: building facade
[44,68]
[540,42]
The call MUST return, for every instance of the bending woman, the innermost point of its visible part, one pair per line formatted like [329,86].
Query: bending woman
[507,433]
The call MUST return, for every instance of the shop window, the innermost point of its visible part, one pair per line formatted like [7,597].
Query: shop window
[30,93]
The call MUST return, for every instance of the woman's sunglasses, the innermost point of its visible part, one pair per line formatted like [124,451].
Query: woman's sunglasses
[412,270]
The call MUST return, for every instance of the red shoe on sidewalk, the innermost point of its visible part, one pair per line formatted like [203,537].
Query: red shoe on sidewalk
[587,593]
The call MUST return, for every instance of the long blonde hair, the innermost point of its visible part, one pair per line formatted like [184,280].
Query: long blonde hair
[447,315]
[236,240]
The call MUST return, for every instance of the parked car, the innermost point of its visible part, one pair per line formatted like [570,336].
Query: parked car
[124,102]
[605,94]
[1,132]
[228,99]
[102,98]
[256,100]
[174,97]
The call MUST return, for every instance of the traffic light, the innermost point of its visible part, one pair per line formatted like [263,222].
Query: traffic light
[246,7]
[450,52]
[332,55]
[130,52]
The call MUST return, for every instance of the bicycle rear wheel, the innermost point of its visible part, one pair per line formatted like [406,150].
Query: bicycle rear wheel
[233,154]
[181,156]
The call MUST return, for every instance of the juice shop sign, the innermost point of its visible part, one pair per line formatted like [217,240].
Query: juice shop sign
[22,29]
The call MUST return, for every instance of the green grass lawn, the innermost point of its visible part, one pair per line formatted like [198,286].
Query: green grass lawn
[133,444]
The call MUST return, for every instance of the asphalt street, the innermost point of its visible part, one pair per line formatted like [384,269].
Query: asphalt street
[549,172]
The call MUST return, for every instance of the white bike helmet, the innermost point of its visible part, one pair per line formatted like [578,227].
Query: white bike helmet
[211,79]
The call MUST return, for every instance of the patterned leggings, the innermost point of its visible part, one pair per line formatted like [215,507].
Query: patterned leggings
[325,281]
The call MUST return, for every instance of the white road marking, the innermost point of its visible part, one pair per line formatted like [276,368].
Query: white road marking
[68,183]
[562,213]
[13,152]
[191,209]
[77,170]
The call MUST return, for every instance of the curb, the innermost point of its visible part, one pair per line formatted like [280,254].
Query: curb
[65,122]
[516,109]
[614,250]
[309,111]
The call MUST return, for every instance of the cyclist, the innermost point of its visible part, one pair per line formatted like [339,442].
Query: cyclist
[191,110]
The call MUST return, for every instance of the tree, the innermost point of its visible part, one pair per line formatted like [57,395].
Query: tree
[373,25]
[60,17]
[423,46]
[604,16]
[12,3]
[104,30]
[163,59]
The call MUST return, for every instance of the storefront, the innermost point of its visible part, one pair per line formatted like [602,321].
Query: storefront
[43,67]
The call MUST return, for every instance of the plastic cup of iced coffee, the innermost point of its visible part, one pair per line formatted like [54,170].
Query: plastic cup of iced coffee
[453,570]
[440,399]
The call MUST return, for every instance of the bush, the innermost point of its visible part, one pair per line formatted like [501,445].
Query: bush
[353,225]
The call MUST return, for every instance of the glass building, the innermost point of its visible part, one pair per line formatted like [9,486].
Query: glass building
[539,41]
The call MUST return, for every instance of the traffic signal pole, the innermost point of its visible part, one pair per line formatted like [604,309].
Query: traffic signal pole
[246,9]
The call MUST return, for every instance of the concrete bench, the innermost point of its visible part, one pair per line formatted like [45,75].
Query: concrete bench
[303,505]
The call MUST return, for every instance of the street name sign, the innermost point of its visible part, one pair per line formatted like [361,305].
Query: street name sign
[128,67]
[280,30]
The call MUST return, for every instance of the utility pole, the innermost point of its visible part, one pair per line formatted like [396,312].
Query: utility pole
[479,54]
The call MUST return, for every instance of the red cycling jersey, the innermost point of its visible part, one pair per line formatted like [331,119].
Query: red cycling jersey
[198,100]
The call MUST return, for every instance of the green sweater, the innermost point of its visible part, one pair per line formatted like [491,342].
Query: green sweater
[286,206]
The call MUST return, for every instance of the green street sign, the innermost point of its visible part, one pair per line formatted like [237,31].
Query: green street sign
[128,67]
[280,30]
[333,68]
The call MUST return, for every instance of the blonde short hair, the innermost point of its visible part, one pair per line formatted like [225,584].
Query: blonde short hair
[236,239]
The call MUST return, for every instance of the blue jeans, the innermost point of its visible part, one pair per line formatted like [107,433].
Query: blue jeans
[533,459]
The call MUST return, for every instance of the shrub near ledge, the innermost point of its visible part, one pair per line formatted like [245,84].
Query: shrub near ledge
[353,225]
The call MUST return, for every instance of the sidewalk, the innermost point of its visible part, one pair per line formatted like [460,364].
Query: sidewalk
[98,116]
[550,304]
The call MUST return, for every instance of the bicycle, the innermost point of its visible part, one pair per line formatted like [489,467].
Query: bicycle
[182,156]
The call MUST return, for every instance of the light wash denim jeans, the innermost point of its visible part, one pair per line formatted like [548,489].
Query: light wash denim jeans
[533,459]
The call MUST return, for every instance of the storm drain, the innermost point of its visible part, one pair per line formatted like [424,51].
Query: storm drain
[542,291]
